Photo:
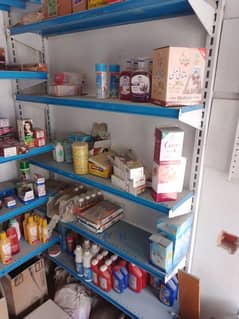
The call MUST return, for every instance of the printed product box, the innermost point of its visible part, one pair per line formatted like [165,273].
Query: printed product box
[178,230]
[79,5]
[178,76]
[25,286]
[161,251]
[96,3]
[25,131]
[168,144]
[64,7]
[168,177]
[50,8]
[4,123]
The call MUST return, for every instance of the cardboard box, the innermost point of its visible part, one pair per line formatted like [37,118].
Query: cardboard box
[64,7]
[54,8]
[4,123]
[161,251]
[25,286]
[48,310]
[178,230]
[178,76]
[79,5]
[25,131]
[168,144]
[3,308]
[168,177]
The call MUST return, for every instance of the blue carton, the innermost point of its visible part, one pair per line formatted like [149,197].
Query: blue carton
[178,230]
[161,251]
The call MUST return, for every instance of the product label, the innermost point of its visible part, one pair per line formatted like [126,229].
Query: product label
[132,282]
[140,84]
[95,278]
[33,234]
[88,274]
[7,256]
[114,85]
[103,283]
[125,85]
[101,85]
[52,7]
[79,269]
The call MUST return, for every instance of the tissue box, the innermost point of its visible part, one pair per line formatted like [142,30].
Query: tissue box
[178,230]
[161,251]
[168,144]
[178,76]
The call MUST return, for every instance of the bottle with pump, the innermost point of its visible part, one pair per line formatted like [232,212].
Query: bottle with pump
[135,278]
[125,81]
[5,249]
[141,82]
[105,280]
[79,260]
[95,271]
[14,223]
[44,231]
[32,231]
[26,216]
[87,265]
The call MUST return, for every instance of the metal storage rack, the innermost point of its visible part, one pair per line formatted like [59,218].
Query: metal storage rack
[210,15]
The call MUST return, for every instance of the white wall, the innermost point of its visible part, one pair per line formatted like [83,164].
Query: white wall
[219,199]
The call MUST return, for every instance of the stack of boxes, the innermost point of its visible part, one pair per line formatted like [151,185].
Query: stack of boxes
[128,175]
[169,165]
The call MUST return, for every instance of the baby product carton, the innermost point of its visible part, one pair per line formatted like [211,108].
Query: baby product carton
[168,144]
[161,251]
[178,76]
[178,230]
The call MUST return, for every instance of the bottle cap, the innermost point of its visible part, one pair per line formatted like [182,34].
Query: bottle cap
[24,165]
[3,235]
[94,262]
[116,268]
[103,268]
[101,67]
[78,249]
[114,68]
[105,253]
[13,221]
[100,257]
[114,258]
[108,262]
[30,220]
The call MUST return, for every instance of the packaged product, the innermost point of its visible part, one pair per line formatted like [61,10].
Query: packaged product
[100,165]
[96,3]
[64,90]
[62,78]
[178,76]
[25,191]
[26,132]
[161,251]
[4,122]
[168,144]
[79,5]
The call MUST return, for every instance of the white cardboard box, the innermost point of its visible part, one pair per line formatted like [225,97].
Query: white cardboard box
[48,310]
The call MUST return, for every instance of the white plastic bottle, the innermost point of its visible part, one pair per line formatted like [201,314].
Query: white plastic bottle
[87,265]
[86,245]
[14,223]
[105,253]
[79,260]
[59,152]
[94,249]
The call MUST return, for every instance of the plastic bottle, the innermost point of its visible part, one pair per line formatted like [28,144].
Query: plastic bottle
[59,152]
[118,280]
[26,216]
[12,236]
[135,278]
[114,80]
[101,81]
[25,173]
[86,245]
[31,231]
[95,271]
[5,249]
[125,81]
[100,258]
[99,196]
[94,249]
[14,223]
[124,272]
[87,265]
[79,260]
[141,82]
[105,280]
[105,253]
[108,264]
[114,259]
[44,231]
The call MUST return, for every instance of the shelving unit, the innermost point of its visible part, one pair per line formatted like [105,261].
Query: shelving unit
[138,306]
[32,152]
[6,5]
[133,246]
[129,242]
[21,208]
[172,209]
[190,115]
[23,75]
[27,252]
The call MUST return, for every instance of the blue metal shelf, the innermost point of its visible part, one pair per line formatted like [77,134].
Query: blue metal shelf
[27,252]
[138,306]
[21,208]
[23,75]
[13,3]
[126,12]
[112,105]
[179,207]
[32,152]
[129,242]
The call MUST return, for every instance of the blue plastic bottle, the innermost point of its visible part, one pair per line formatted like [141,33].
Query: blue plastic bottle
[118,280]
[101,81]
[114,80]
[125,273]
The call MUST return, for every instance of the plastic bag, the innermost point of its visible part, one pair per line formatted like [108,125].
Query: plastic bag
[74,300]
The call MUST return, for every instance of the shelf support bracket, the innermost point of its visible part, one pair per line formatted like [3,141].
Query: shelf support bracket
[205,11]
[193,118]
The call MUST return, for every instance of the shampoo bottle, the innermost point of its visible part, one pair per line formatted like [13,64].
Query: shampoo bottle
[5,249]
[31,231]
